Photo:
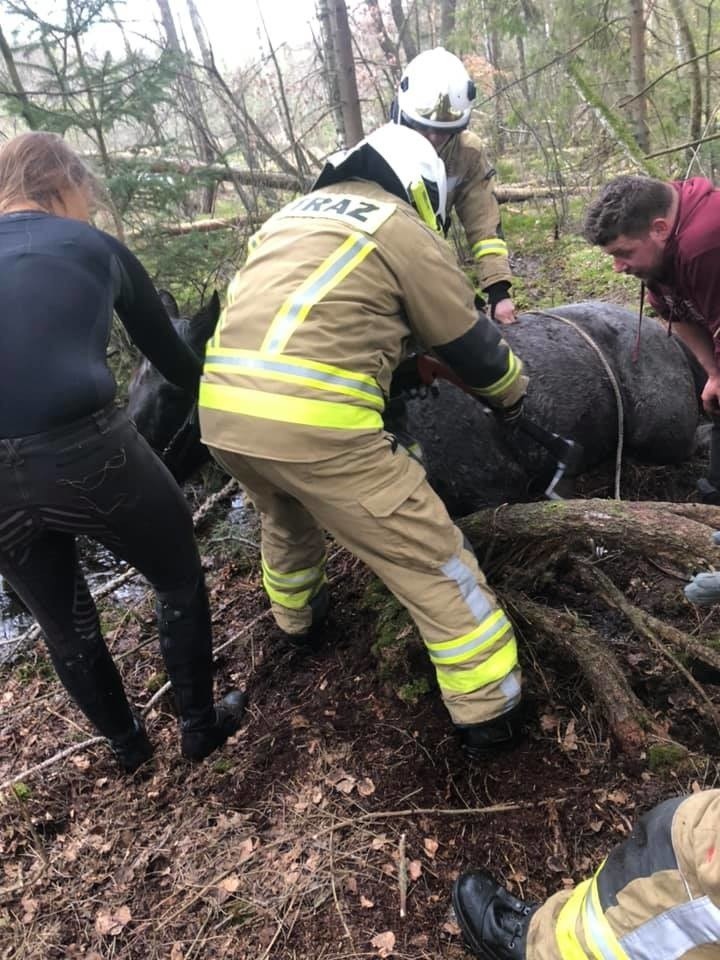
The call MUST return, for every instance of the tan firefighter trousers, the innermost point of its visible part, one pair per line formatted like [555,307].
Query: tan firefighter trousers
[656,897]
[376,501]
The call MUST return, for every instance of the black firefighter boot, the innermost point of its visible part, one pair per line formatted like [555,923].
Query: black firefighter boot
[92,680]
[319,606]
[186,645]
[493,922]
[480,739]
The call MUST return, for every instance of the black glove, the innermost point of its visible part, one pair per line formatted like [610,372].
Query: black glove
[406,380]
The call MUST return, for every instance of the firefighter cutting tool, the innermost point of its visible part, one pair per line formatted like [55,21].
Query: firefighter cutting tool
[567,453]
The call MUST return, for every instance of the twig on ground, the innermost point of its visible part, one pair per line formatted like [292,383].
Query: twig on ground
[56,758]
[402,876]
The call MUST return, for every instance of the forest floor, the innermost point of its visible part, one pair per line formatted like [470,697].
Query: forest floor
[332,826]
[294,839]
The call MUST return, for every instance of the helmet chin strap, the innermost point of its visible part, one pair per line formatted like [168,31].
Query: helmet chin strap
[421,202]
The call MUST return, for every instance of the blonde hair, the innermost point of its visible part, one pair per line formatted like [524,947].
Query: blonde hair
[40,167]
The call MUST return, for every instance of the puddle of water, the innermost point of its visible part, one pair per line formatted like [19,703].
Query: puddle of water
[100,566]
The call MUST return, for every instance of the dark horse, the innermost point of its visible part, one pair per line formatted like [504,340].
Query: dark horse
[580,361]
[163,413]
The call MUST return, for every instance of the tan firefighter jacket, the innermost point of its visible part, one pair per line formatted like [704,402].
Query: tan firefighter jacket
[470,192]
[335,286]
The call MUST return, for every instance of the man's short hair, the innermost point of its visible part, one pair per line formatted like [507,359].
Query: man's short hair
[627,205]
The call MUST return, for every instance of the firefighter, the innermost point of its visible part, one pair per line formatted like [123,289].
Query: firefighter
[291,403]
[435,98]
[655,897]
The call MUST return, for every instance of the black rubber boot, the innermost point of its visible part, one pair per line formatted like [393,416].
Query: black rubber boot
[92,680]
[186,645]
[480,739]
[132,749]
[319,608]
[493,922]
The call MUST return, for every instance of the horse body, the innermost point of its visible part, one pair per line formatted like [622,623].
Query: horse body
[472,460]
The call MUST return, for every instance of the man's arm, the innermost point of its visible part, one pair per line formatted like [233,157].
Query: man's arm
[697,339]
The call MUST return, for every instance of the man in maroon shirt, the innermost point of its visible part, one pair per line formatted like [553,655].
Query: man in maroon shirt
[668,235]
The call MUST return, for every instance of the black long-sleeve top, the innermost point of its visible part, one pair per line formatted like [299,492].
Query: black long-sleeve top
[60,280]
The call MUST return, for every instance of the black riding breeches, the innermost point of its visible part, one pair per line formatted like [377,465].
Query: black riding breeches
[99,478]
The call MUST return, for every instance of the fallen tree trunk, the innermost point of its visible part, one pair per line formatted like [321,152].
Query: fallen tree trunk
[648,528]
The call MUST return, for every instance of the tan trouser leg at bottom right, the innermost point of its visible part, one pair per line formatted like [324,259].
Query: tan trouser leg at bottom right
[657,895]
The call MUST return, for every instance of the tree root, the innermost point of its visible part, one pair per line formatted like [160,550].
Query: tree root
[651,628]
[628,720]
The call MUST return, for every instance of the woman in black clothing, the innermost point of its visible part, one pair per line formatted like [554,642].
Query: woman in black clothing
[72,463]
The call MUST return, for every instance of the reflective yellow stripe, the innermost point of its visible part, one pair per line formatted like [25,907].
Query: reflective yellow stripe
[328,275]
[275,406]
[466,647]
[565,931]
[496,667]
[500,386]
[296,589]
[296,370]
[584,905]
[484,248]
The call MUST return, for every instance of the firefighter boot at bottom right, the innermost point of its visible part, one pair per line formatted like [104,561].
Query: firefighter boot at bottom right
[493,922]
[480,739]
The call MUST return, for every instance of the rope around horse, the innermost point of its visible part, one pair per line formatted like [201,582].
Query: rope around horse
[613,383]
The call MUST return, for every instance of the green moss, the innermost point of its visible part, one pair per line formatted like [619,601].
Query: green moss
[222,766]
[21,790]
[155,681]
[398,650]
[412,692]
[666,757]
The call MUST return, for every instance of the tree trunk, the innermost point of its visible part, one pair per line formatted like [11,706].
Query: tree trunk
[690,54]
[347,82]
[26,108]
[194,110]
[638,106]
[330,70]
[661,530]
[447,21]
[402,25]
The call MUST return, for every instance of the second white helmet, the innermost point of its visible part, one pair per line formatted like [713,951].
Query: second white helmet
[435,91]
[403,162]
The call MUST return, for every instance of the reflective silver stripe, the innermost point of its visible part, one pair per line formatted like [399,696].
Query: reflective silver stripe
[276,366]
[597,926]
[675,932]
[313,293]
[511,690]
[471,593]
[476,643]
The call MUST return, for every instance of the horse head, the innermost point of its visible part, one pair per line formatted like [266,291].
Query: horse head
[163,413]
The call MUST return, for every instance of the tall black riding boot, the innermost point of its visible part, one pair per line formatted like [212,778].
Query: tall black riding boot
[92,680]
[186,645]
[493,922]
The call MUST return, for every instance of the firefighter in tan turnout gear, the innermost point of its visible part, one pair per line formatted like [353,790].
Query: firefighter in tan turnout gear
[656,897]
[435,98]
[292,397]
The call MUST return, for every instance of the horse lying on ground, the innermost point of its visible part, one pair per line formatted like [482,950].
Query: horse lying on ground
[584,382]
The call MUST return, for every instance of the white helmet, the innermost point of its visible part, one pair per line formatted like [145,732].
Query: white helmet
[435,91]
[401,161]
